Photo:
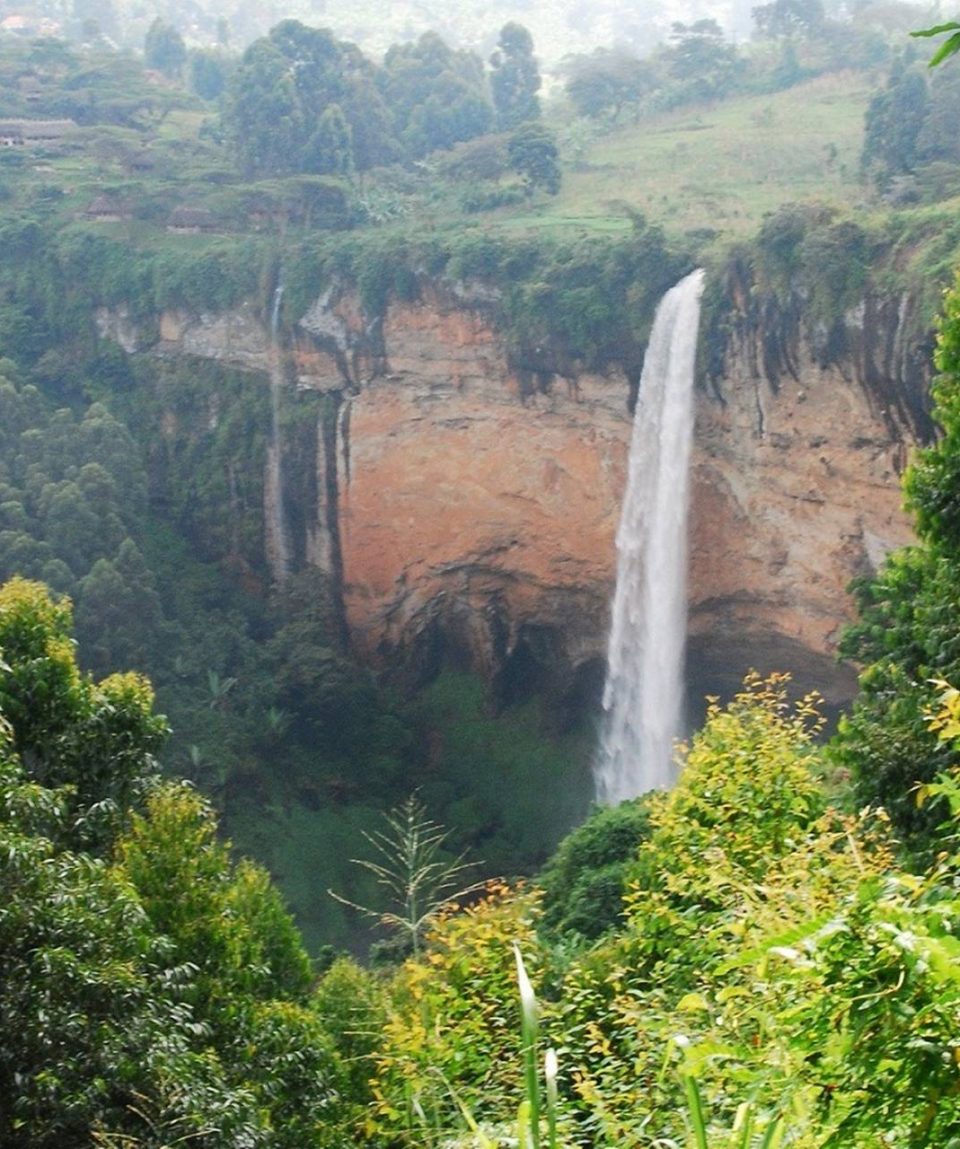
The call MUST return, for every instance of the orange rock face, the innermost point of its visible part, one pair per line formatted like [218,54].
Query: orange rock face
[472,512]
[794,493]
[469,507]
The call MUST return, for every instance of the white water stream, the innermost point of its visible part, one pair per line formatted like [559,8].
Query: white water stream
[275,517]
[643,694]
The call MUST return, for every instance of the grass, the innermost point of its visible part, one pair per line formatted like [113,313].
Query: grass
[720,167]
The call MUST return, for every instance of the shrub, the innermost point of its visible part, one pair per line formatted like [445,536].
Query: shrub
[583,883]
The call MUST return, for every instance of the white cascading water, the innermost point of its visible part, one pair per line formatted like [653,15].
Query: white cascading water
[643,694]
[275,518]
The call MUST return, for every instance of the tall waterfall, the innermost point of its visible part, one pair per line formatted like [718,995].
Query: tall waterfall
[643,695]
[277,542]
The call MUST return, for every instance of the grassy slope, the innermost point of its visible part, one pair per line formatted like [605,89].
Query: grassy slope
[721,166]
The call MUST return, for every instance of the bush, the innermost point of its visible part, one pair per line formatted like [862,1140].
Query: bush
[584,882]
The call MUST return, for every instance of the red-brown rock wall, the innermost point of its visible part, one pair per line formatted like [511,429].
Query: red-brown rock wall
[475,508]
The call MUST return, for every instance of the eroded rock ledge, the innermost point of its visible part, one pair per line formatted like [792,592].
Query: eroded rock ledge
[470,507]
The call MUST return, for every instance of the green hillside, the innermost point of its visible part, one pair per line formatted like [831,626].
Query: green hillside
[722,166]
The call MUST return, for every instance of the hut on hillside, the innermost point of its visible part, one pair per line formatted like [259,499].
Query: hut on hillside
[188,220]
[107,208]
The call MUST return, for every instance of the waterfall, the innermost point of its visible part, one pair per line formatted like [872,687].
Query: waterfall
[275,519]
[643,694]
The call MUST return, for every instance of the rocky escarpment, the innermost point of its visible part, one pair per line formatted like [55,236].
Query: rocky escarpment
[802,435]
[467,508]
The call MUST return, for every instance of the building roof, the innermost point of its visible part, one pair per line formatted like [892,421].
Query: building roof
[38,129]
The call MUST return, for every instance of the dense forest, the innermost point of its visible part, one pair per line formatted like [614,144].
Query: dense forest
[764,956]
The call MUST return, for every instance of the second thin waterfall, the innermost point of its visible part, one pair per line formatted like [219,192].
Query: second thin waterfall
[643,694]
[275,516]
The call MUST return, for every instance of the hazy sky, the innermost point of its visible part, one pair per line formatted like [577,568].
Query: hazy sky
[559,27]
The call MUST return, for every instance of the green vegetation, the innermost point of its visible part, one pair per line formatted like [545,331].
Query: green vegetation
[768,944]
[770,947]
[686,168]
[905,634]
[300,748]
[152,989]
[739,962]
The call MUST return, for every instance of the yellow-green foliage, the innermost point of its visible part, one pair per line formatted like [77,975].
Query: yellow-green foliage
[744,800]
[770,949]
[746,788]
[229,921]
[96,741]
[453,1026]
[736,854]
[41,673]
[352,1003]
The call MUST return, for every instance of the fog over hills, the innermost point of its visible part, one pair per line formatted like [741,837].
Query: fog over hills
[558,28]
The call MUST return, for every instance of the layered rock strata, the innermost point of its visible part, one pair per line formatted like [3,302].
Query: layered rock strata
[468,510]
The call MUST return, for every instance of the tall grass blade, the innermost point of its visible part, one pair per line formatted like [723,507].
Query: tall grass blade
[773,1135]
[744,1125]
[550,1077]
[524,1125]
[695,1105]
[528,1035]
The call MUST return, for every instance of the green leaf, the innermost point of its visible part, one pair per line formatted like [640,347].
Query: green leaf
[695,1106]
[949,27]
[947,48]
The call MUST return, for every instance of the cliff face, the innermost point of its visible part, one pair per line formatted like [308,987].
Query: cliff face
[468,510]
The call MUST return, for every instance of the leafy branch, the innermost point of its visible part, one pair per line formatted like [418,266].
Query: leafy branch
[949,47]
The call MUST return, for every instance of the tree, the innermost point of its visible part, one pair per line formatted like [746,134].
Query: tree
[515,80]
[261,112]
[533,153]
[607,81]
[164,49]
[118,611]
[99,739]
[788,18]
[87,1044]
[938,141]
[893,123]
[208,74]
[437,95]
[329,151]
[584,882]
[280,90]
[906,633]
[158,994]
[700,61]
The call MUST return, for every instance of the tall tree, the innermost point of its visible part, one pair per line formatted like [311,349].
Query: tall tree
[702,63]
[893,123]
[438,95]
[515,80]
[533,154]
[284,84]
[99,739]
[164,49]
[608,81]
[155,995]
[788,18]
